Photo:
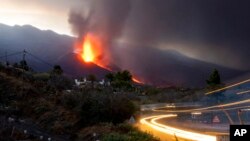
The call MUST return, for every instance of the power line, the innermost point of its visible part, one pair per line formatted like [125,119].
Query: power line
[39,59]
[8,55]
[24,53]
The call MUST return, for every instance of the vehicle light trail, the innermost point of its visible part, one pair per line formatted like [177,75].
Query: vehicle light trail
[152,122]
[244,92]
[227,87]
[206,108]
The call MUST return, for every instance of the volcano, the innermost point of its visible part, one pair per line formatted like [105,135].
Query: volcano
[70,63]
[150,65]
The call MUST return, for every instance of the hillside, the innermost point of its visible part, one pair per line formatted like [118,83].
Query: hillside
[37,107]
[168,67]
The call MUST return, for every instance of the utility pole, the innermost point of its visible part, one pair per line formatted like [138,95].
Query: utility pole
[6,59]
[6,56]
[239,116]
[24,54]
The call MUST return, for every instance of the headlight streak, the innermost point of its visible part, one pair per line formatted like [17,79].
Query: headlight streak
[227,87]
[243,92]
[174,131]
[206,108]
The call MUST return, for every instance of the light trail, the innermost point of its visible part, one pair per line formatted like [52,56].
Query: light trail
[243,92]
[174,131]
[206,108]
[227,87]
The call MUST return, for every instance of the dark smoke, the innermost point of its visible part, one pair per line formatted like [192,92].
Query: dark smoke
[171,41]
[79,23]
[105,19]
[216,31]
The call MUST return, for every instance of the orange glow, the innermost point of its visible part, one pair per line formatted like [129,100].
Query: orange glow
[91,51]
[137,81]
[227,87]
[88,53]
[152,122]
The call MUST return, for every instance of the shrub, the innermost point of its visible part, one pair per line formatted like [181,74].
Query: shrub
[115,137]
[141,136]
[101,107]
[70,100]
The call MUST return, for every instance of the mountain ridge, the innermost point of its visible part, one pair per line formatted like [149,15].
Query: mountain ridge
[174,68]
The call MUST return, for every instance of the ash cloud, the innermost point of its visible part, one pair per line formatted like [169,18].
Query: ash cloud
[104,19]
[143,35]
[210,30]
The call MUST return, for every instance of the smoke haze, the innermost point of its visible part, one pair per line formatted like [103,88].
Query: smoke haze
[160,38]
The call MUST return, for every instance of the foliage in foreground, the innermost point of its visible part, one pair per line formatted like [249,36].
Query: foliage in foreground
[120,132]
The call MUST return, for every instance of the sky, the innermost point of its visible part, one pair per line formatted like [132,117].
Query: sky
[209,30]
[43,14]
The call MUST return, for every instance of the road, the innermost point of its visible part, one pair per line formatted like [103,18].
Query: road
[195,121]
[152,121]
[177,121]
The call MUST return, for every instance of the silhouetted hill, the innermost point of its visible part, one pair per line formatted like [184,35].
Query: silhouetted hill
[75,67]
[47,46]
[169,67]
[152,65]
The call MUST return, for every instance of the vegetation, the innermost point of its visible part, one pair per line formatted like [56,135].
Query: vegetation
[120,80]
[100,107]
[214,82]
[53,103]
[57,81]
[121,132]
[214,78]
[23,65]
[57,70]
[43,98]
[91,78]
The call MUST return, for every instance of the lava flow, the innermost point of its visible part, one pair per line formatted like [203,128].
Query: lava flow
[137,81]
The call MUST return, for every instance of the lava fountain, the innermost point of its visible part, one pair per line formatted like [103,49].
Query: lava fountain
[88,52]
[91,51]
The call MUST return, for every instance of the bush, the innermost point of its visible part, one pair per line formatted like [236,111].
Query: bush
[42,77]
[115,137]
[41,109]
[101,107]
[141,136]
[131,136]
[60,82]
[70,100]
[125,128]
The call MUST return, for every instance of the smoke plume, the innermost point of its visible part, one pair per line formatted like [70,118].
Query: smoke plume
[105,19]
[169,41]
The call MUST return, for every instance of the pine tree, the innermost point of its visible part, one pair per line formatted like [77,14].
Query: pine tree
[214,78]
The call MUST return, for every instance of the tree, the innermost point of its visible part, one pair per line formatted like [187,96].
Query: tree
[110,77]
[214,78]
[57,81]
[122,80]
[123,76]
[57,70]
[91,78]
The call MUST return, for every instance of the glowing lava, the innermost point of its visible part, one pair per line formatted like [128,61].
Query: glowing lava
[90,50]
[88,53]
[136,80]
